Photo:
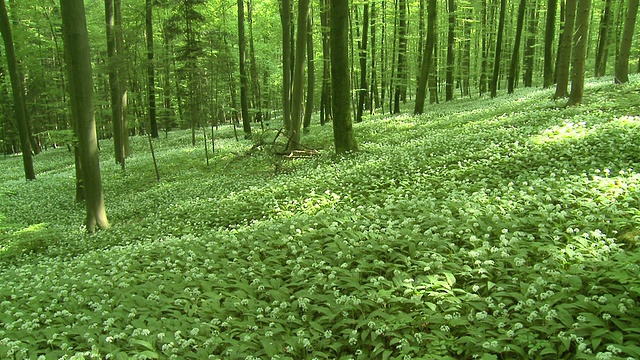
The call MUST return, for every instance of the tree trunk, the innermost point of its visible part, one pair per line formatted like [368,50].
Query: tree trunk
[297,98]
[285,17]
[122,86]
[579,52]
[549,36]
[564,51]
[344,138]
[325,97]
[151,84]
[622,65]
[496,63]
[513,68]
[76,41]
[255,80]
[374,97]
[402,54]
[114,84]
[362,90]
[311,77]
[485,51]
[603,40]
[450,50]
[244,82]
[530,46]
[17,88]
[421,92]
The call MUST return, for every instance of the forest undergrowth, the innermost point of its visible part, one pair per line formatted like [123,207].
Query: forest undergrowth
[499,228]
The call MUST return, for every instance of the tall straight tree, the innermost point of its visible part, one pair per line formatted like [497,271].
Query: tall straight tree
[151,78]
[285,19]
[530,46]
[325,97]
[244,80]
[311,77]
[579,52]
[402,56]
[76,44]
[297,98]
[421,92]
[343,136]
[450,50]
[117,9]
[114,84]
[622,65]
[513,67]
[496,63]
[374,98]
[603,40]
[18,92]
[564,51]
[362,90]
[549,36]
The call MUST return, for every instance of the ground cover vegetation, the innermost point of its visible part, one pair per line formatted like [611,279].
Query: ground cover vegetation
[498,228]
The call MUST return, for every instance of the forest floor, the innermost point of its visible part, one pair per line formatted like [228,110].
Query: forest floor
[499,228]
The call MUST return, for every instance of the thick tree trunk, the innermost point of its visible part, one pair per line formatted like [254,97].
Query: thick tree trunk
[244,81]
[18,93]
[603,40]
[513,68]
[564,51]
[297,98]
[76,41]
[421,92]
[311,78]
[450,50]
[622,65]
[579,52]
[362,90]
[496,63]
[151,78]
[344,138]
[285,17]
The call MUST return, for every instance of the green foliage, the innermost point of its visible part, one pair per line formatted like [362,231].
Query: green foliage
[497,229]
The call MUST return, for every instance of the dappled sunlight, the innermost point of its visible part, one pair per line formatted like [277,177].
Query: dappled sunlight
[568,131]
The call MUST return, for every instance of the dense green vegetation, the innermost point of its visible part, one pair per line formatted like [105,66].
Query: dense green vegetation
[502,228]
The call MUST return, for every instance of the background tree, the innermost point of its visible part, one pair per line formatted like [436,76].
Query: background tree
[344,138]
[115,84]
[285,16]
[401,72]
[496,63]
[17,88]
[622,64]
[151,78]
[549,36]
[451,8]
[244,81]
[297,98]
[603,40]
[362,89]
[421,92]
[579,52]
[564,51]
[513,67]
[76,44]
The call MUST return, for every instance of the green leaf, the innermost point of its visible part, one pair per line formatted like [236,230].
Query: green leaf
[145,344]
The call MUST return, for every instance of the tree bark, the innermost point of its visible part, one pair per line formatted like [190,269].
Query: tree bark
[122,79]
[374,97]
[530,46]
[450,50]
[485,51]
[151,78]
[362,90]
[297,98]
[421,92]
[325,97]
[603,40]
[549,36]
[622,64]
[76,41]
[564,51]
[401,85]
[513,68]
[244,81]
[344,138]
[285,17]
[17,88]
[114,84]
[579,52]
[311,78]
[496,63]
